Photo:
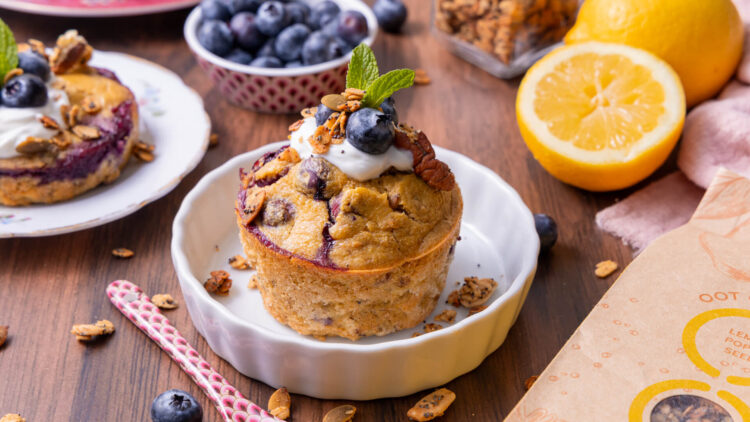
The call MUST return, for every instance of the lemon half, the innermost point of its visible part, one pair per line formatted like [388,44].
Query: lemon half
[600,116]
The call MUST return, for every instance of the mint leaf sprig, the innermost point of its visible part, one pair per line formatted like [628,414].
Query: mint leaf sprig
[364,74]
[8,51]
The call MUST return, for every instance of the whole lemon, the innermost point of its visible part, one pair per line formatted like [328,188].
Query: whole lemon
[700,39]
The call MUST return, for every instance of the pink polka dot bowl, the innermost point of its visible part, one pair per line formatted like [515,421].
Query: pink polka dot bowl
[275,90]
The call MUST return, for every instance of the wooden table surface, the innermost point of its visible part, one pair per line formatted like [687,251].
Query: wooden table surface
[49,284]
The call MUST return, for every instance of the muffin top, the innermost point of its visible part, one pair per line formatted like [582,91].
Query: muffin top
[77,106]
[354,189]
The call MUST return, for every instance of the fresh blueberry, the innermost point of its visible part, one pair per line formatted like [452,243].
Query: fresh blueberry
[176,406]
[389,109]
[272,18]
[337,48]
[322,114]
[391,14]
[297,12]
[315,48]
[24,91]
[267,50]
[215,9]
[293,64]
[33,63]
[352,26]
[239,56]
[370,131]
[289,43]
[547,230]
[237,6]
[267,61]
[244,27]
[323,13]
[331,28]
[216,37]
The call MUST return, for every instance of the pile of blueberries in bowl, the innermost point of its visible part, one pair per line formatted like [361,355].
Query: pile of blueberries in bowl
[276,34]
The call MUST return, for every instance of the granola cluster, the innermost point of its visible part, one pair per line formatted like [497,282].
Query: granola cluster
[506,28]
[333,130]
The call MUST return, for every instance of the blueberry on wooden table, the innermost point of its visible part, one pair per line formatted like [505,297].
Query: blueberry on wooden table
[272,18]
[370,131]
[34,64]
[176,406]
[391,14]
[24,91]
[216,37]
[547,230]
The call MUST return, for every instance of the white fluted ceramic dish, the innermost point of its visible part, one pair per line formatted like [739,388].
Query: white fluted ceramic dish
[498,240]
[171,117]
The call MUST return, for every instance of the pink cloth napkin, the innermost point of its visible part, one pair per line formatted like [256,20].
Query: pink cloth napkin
[716,134]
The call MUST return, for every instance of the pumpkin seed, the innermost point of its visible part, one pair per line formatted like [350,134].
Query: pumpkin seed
[333,101]
[343,413]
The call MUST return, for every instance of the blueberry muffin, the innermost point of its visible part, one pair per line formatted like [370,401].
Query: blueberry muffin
[352,226]
[65,127]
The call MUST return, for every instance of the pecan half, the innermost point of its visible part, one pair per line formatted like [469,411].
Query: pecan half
[434,172]
[71,51]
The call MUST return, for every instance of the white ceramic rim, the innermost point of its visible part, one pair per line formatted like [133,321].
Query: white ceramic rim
[93,12]
[143,201]
[191,26]
[182,266]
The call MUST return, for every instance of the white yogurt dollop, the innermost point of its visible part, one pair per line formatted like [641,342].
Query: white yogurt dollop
[356,164]
[17,124]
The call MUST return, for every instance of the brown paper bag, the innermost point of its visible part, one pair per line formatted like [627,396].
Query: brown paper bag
[670,341]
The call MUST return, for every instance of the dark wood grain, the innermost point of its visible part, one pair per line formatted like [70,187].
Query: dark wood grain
[48,284]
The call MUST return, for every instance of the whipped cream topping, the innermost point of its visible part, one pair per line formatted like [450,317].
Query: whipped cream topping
[356,164]
[17,124]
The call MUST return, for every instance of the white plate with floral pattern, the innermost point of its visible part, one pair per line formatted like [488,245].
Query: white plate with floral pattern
[498,240]
[172,119]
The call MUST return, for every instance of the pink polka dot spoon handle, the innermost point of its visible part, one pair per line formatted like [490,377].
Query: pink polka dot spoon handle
[135,305]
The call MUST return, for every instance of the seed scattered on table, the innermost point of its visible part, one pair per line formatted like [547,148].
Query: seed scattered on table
[164,301]
[343,413]
[3,334]
[530,381]
[213,140]
[12,417]
[218,283]
[238,262]
[605,268]
[279,403]
[122,253]
[448,315]
[421,77]
[432,405]
[87,332]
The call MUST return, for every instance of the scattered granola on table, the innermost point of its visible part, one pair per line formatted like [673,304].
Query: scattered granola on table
[343,413]
[238,262]
[218,283]
[421,77]
[122,253]
[87,332]
[3,334]
[164,301]
[432,405]
[213,140]
[530,381]
[605,268]
[279,403]
[12,417]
